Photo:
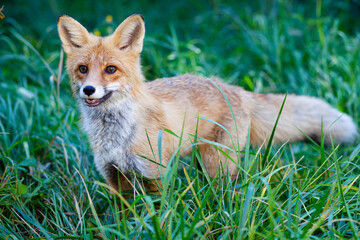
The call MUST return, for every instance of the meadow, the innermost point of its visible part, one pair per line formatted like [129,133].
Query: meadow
[50,189]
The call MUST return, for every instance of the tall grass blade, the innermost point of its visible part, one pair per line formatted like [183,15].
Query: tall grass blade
[269,144]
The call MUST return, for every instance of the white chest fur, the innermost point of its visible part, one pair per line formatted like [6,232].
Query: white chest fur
[111,131]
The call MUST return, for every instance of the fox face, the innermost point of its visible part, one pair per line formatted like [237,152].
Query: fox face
[103,69]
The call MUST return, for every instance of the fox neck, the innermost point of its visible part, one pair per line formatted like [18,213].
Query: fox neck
[112,131]
[103,124]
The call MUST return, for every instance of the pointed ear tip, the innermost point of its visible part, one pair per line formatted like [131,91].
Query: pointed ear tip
[63,16]
[138,15]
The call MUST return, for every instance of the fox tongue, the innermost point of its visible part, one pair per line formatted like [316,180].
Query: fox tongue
[92,101]
[97,101]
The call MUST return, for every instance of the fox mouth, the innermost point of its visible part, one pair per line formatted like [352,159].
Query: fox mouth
[93,102]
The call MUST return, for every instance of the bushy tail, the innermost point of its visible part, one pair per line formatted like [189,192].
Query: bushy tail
[301,116]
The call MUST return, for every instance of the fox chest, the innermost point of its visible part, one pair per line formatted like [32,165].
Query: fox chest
[111,135]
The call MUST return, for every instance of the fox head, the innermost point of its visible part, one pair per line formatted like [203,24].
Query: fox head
[103,69]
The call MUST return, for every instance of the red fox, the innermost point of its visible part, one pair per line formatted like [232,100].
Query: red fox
[122,113]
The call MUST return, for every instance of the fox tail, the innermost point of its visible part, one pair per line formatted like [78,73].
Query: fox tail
[302,117]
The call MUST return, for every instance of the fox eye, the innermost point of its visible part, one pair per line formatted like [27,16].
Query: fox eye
[110,69]
[83,69]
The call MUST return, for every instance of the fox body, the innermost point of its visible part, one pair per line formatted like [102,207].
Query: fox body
[122,113]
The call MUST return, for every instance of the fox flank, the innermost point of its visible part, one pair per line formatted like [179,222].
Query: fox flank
[121,112]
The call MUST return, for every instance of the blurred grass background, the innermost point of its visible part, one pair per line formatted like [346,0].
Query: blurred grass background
[303,47]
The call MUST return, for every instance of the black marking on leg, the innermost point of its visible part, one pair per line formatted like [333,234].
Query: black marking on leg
[112,173]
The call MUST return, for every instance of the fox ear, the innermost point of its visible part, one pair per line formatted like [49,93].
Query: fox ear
[72,33]
[129,35]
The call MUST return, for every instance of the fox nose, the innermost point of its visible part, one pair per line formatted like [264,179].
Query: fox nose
[88,90]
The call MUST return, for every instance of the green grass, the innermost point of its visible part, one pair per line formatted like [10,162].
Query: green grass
[49,187]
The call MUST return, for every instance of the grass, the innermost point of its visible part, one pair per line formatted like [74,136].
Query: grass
[49,187]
